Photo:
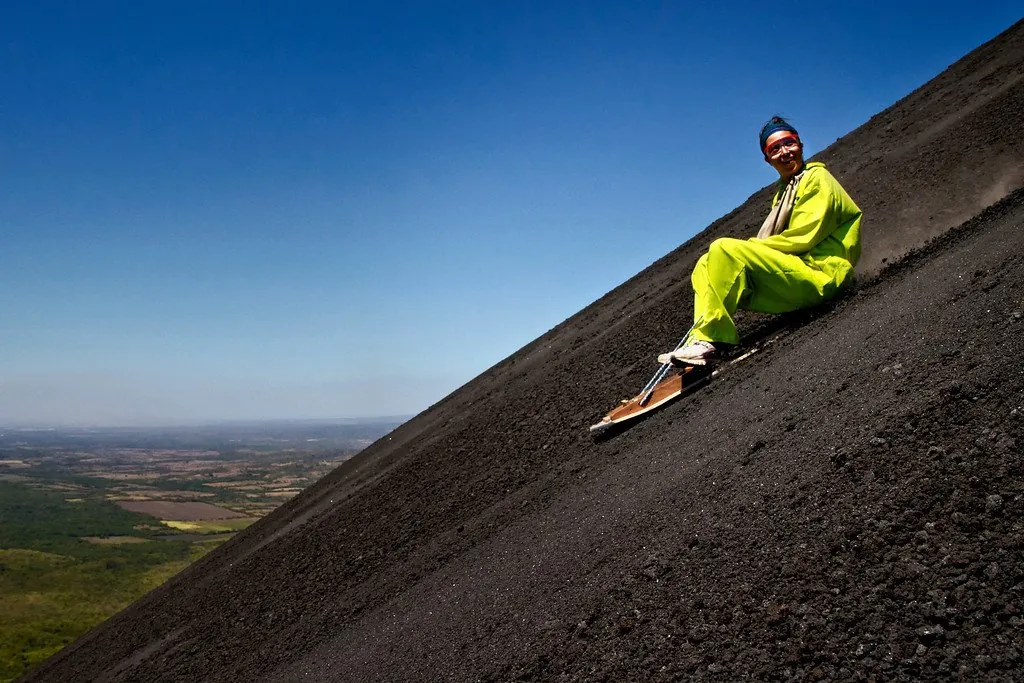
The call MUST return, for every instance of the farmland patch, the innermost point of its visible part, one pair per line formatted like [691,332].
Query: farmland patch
[187,512]
[113,540]
[210,526]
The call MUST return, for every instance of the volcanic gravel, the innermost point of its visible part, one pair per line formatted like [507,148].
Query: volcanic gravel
[846,504]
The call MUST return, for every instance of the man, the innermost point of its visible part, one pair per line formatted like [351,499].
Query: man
[803,254]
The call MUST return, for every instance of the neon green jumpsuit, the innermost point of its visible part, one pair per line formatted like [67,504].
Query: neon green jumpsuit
[805,264]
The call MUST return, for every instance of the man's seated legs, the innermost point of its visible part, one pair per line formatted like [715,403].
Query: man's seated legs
[745,274]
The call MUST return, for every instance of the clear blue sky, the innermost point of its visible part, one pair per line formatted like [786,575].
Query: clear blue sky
[231,210]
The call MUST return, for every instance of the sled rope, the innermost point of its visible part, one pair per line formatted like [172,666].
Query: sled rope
[648,389]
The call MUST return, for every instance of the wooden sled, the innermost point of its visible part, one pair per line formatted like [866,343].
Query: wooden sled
[661,390]
[649,400]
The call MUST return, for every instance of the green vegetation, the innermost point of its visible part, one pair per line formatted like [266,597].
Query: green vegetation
[55,584]
[41,519]
[70,557]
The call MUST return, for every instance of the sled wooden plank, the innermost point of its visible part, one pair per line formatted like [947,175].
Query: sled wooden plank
[664,391]
[690,377]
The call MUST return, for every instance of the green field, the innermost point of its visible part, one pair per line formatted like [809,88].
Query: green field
[58,577]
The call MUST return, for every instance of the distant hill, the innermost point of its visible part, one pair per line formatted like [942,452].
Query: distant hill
[846,506]
[347,433]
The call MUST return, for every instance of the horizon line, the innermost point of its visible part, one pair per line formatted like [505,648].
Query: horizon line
[33,426]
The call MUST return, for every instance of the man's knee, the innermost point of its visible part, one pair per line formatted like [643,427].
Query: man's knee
[726,245]
[724,250]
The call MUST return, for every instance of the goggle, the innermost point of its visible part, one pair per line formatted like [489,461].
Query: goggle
[777,148]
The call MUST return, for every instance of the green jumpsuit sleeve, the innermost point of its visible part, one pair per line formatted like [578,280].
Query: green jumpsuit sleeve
[813,217]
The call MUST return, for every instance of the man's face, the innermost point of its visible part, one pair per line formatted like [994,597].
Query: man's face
[785,153]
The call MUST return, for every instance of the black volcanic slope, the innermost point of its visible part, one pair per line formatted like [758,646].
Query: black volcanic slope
[847,504]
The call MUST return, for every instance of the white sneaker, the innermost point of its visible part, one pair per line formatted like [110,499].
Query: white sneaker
[694,353]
